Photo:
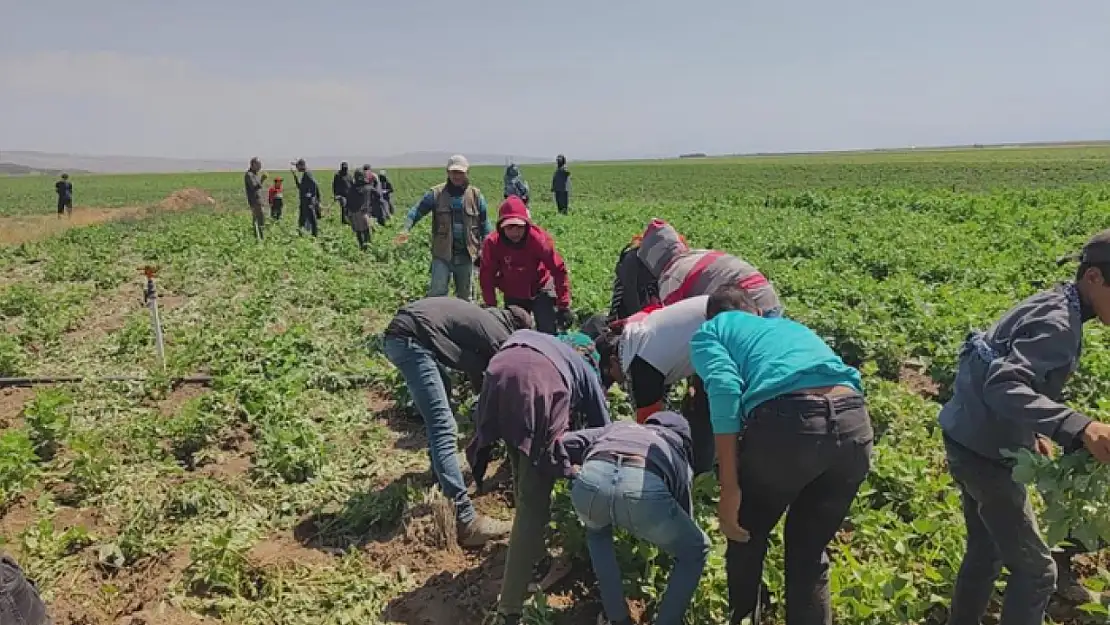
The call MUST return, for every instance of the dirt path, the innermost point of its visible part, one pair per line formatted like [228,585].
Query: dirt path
[15,230]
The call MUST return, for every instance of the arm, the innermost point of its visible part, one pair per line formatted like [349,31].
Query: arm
[594,404]
[488,272]
[422,208]
[648,388]
[558,268]
[578,443]
[721,377]
[335,185]
[1009,383]
[483,217]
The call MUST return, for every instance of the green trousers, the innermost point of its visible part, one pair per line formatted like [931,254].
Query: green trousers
[528,540]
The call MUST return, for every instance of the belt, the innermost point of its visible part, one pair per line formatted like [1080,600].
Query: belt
[821,393]
[624,460]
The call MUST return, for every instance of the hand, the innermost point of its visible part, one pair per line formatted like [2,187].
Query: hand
[1096,438]
[402,238]
[1044,446]
[564,317]
[728,515]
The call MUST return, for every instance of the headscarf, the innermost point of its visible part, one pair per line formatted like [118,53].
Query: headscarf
[584,345]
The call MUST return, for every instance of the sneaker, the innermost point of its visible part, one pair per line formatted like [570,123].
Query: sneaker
[482,530]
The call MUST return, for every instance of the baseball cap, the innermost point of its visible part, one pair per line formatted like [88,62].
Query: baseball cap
[513,221]
[1095,252]
[458,163]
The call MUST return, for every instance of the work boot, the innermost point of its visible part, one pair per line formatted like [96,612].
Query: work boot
[482,530]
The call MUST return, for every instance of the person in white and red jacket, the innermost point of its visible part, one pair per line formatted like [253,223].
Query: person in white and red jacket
[519,259]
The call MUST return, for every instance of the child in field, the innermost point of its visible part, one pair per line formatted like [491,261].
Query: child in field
[277,200]
[64,189]
[1007,396]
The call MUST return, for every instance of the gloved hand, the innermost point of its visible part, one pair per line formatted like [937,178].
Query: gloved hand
[478,262]
[564,318]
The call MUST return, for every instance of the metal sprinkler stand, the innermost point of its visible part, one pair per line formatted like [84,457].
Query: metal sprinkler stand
[150,298]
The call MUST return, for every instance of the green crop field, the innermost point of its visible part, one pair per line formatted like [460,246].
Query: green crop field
[286,494]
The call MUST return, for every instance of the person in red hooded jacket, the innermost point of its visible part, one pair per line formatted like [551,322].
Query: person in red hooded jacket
[520,260]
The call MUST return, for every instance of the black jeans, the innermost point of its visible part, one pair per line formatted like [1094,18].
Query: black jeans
[363,238]
[542,307]
[19,601]
[809,455]
[695,407]
[562,201]
[275,208]
[307,218]
[1001,529]
[341,202]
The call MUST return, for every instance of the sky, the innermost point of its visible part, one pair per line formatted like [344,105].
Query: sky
[588,78]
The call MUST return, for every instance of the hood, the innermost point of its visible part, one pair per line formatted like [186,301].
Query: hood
[513,208]
[675,429]
[360,177]
[512,171]
[661,244]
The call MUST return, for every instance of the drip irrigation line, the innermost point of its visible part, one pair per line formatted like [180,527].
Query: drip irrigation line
[204,380]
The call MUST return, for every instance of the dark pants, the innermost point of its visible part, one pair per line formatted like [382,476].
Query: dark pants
[542,307]
[341,201]
[307,218]
[19,601]
[1001,530]
[276,207]
[562,201]
[695,407]
[259,219]
[65,205]
[807,455]
[363,239]
[528,540]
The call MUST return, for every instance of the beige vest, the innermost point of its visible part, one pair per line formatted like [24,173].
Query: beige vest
[442,224]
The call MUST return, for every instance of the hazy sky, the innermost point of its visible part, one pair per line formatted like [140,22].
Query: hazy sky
[591,78]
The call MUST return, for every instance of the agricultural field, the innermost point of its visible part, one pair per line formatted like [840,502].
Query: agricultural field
[295,488]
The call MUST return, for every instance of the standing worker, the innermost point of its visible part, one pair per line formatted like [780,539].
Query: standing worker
[64,189]
[1007,397]
[535,389]
[459,225]
[520,260]
[515,184]
[793,436]
[560,185]
[340,188]
[253,182]
[386,188]
[358,204]
[277,198]
[309,193]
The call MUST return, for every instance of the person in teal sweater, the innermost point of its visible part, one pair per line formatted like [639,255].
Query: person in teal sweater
[792,432]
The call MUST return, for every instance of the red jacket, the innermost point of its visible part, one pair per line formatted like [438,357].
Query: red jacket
[521,270]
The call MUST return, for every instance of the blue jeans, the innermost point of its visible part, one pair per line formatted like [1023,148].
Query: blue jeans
[633,498]
[461,268]
[428,384]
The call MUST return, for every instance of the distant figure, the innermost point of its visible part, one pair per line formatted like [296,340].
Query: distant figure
[340,188]
[386,188]
[560,185]
[253,182]
[64,188]
[358,203]
[515,184]
[277,200]
[309,193]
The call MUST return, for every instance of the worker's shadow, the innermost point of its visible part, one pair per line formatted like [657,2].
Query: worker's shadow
[375,516]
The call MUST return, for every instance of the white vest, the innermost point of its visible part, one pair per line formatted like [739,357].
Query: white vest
[662,338]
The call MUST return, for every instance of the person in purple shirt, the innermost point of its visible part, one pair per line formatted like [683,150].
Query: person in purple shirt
[637,477]
[537,388]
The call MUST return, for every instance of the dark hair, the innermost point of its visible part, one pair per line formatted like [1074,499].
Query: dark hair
[606,345]
[1104,269]
[728,298]
[522,319]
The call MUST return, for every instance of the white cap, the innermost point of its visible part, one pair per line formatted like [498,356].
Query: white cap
[458,163]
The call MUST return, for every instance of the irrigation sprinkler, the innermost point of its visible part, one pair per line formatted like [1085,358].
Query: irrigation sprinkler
[150,298]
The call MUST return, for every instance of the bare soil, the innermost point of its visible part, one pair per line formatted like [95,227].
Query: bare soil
[12,401]
[919,382]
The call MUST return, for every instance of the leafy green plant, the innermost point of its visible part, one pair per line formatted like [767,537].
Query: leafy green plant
[193,428]
[290,451]
[18,468]
[219,564]
[92,468]
[48,420]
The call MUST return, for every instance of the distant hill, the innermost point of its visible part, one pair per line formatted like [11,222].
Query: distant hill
[43,162]
[15,169]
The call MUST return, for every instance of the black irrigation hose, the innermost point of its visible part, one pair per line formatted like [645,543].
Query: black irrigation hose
[198,379]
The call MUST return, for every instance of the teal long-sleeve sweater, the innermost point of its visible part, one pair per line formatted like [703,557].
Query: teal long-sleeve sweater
[745,360]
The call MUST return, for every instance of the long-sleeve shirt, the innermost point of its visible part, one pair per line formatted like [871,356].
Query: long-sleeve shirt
[745,360]
[427,204]
[1011,377]
[560,181]
[588,398]
[64,189]
[659,445]
[341,184]
[252,183]
[522,270]
[307,188]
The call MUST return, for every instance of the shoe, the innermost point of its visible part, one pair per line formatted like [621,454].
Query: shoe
[482,530]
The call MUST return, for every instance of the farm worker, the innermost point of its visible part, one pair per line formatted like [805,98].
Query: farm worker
[64,188]
[423,340]
[459,225]
[683,272]
[637,477]
[536,389]
[377,207]
[277,200]
[651,353]
[19,599]
[340,187]
[1007,396]
[806,448]
[253,181]
[387,194]
[560,185]
[309,193]
[634,286]
[520,260]
[515,184]
[358,203]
